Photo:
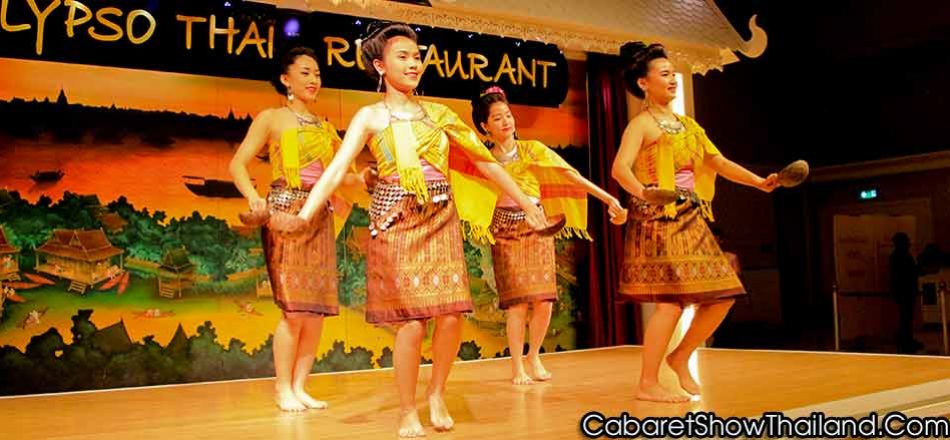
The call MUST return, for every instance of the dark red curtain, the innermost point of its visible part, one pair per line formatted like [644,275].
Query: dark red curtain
[605,321]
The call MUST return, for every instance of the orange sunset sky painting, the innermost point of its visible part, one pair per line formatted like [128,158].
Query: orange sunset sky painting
[151,177]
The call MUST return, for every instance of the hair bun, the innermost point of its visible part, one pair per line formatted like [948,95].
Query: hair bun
[373,28]
[632,50]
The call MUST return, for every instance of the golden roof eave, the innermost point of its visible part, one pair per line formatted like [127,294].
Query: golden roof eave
[702,38]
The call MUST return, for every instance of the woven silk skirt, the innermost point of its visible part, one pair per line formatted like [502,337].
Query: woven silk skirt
[415,264]
[674,260]
[302,269]
[524,261]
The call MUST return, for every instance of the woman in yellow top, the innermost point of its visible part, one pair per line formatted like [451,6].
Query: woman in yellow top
[432,170]
[670,256]
[524,261]
[302,269]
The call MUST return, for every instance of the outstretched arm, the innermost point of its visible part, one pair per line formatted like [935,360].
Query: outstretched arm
[618,213]
[739,174]
[496,173]
[463,135]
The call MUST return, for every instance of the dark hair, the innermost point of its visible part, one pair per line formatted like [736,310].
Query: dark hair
[481,106]
[636,57]
[375,41]
[901,240]
[286,60]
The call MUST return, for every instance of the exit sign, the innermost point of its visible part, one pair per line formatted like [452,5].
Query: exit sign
[868,194]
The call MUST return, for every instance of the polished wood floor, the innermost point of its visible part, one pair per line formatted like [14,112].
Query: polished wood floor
[484,404]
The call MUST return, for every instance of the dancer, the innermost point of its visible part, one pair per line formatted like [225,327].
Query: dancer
[302,268]
[670,255]
[415,264]
[523,260]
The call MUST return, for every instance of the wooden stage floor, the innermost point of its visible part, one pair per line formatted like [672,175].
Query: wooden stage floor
[363,405]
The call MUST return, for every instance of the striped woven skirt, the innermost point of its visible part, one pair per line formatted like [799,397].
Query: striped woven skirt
[674,260]
[524,262]
[302,269]
[415,263]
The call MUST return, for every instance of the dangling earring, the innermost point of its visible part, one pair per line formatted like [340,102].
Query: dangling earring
[379,87]
[645,105]
[290,95]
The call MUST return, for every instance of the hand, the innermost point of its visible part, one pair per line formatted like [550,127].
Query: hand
[535,218]
[614,207]
[287,224]
[370,177]
[257,203]
[769,183]
[258,213]
[620,218]
[618,214]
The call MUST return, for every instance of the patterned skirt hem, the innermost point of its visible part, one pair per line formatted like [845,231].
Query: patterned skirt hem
[312,309]
[538,297]
[682,298]
[400,315]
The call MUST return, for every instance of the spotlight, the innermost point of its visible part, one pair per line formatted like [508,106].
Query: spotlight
[292,27]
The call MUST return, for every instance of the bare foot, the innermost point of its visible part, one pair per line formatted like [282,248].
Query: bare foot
[680,365]
[540,373]
[410,426]
[521,378]
[518,375]
[656,393]
[439,413]
[287,401]
[309,401]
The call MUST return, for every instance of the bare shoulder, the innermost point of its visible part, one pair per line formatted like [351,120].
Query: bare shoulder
[279,120]
[266,124]
[266,115]
[373,111]
[638,125]
[644,125]
[642,121]
[373,117]
[277,117]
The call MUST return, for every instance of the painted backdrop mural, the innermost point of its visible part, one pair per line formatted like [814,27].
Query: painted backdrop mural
[122,259]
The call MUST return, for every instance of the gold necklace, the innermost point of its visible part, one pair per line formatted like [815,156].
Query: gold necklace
[672,127]
[302,119]
[404,115]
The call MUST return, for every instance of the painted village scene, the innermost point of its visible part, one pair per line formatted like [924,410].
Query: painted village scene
[123,262]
